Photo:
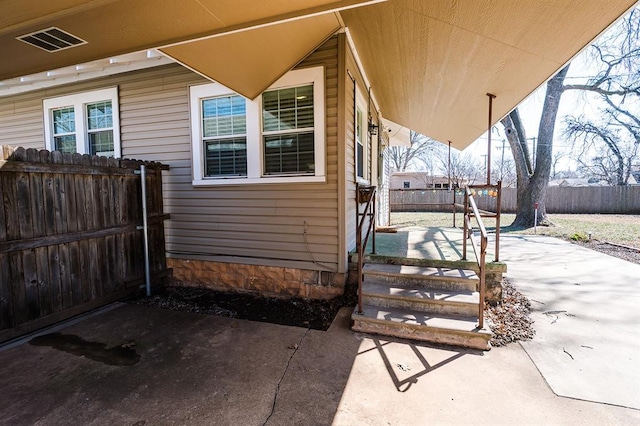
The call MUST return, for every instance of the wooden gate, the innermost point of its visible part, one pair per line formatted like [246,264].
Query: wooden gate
[70,237]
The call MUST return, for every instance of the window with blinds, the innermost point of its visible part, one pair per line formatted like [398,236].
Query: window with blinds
[288,129]
[224,131]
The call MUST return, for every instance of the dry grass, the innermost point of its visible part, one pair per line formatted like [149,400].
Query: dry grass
[619,229]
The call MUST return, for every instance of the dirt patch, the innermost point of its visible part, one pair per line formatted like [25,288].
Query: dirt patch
[315,314]
[630,254]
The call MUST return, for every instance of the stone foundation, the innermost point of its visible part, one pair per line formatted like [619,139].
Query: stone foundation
[265,280]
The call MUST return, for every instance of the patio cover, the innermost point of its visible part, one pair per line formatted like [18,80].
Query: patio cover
[429,63]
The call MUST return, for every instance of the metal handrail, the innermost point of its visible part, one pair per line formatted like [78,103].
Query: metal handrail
[361,244]
[480,252]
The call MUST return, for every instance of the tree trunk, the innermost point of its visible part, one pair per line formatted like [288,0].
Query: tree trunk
[533,179]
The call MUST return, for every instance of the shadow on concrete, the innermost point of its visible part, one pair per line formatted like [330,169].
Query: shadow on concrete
[195,369]
[425,366]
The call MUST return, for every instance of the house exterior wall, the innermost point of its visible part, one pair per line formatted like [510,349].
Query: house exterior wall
[354,80]
[243,237]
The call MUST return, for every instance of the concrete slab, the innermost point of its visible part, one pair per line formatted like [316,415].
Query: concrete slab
[586,307]
[422,243]
[204,370]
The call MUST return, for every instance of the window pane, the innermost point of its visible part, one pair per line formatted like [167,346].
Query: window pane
[99,115]
[224,116]
[209,127]
[224,126]
[226,157]
[287,109]
[101,143]
[287,98]
[304,96]
[64,120]
[65,143]
[305,118]
[360,160]
[291,153]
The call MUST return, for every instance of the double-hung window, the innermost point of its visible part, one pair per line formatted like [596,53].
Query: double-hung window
[276,138]
[86,123]
[224,131]
[287,116]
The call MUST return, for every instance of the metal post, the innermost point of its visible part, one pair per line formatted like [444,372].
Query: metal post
[465,231]
[498,204]
[373,218]
[145,229]
[491,98]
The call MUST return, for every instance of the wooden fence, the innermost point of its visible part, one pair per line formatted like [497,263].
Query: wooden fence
[69,234]
[586,200]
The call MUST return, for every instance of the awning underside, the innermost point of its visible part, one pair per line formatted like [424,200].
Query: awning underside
[430,64]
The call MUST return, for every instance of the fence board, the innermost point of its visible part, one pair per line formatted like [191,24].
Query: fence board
[570,200]
[69,237]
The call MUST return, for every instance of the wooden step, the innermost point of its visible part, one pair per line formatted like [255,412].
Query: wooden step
[420,298]
[416,325]
[406,275]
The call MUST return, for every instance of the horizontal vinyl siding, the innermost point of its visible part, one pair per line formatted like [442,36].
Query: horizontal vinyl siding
[256,222]
[260,223]
[21,121]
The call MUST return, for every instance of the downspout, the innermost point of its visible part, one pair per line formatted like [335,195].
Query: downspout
[145,229]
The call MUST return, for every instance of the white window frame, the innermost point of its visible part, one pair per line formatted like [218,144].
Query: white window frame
[79,101]
[255,145]
[361,104]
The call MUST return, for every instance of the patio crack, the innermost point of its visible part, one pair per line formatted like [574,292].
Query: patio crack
[284,373]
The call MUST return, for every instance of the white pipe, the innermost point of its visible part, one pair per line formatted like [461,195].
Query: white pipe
[145,229]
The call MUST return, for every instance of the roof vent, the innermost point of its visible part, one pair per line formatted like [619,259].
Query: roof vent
[51,39]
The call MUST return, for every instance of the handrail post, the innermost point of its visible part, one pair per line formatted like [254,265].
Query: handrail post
[359,248]
[373,218]
[499,202]
[465,231]
[483,251]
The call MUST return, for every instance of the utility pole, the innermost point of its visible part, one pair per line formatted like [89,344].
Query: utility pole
[501,158]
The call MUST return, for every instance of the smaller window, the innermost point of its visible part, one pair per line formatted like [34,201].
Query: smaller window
[86,123]
[406,185]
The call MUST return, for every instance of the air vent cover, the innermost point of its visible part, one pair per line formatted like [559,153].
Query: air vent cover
[51,39]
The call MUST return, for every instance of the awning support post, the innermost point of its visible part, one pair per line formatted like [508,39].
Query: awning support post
[491,98]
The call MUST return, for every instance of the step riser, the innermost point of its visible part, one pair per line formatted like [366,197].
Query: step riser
[425,281]
[422,305]
[425,334]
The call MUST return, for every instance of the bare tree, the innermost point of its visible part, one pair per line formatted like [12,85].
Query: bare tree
[504,170]
[402,157]
[465,168]
[617,54]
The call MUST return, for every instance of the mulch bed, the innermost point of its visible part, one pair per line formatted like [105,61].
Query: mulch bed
[315,314]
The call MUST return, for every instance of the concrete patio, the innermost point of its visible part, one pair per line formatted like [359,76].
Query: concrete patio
[141,366]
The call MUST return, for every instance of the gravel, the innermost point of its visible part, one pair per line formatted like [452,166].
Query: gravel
[509,321]
[627,253]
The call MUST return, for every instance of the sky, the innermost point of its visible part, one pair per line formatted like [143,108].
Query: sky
[572,103]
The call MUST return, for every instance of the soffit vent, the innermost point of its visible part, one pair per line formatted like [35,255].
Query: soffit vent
[51,39]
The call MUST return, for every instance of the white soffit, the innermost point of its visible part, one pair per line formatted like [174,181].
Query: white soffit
[86,71]
[431,63]
[250,61]
[398,135]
